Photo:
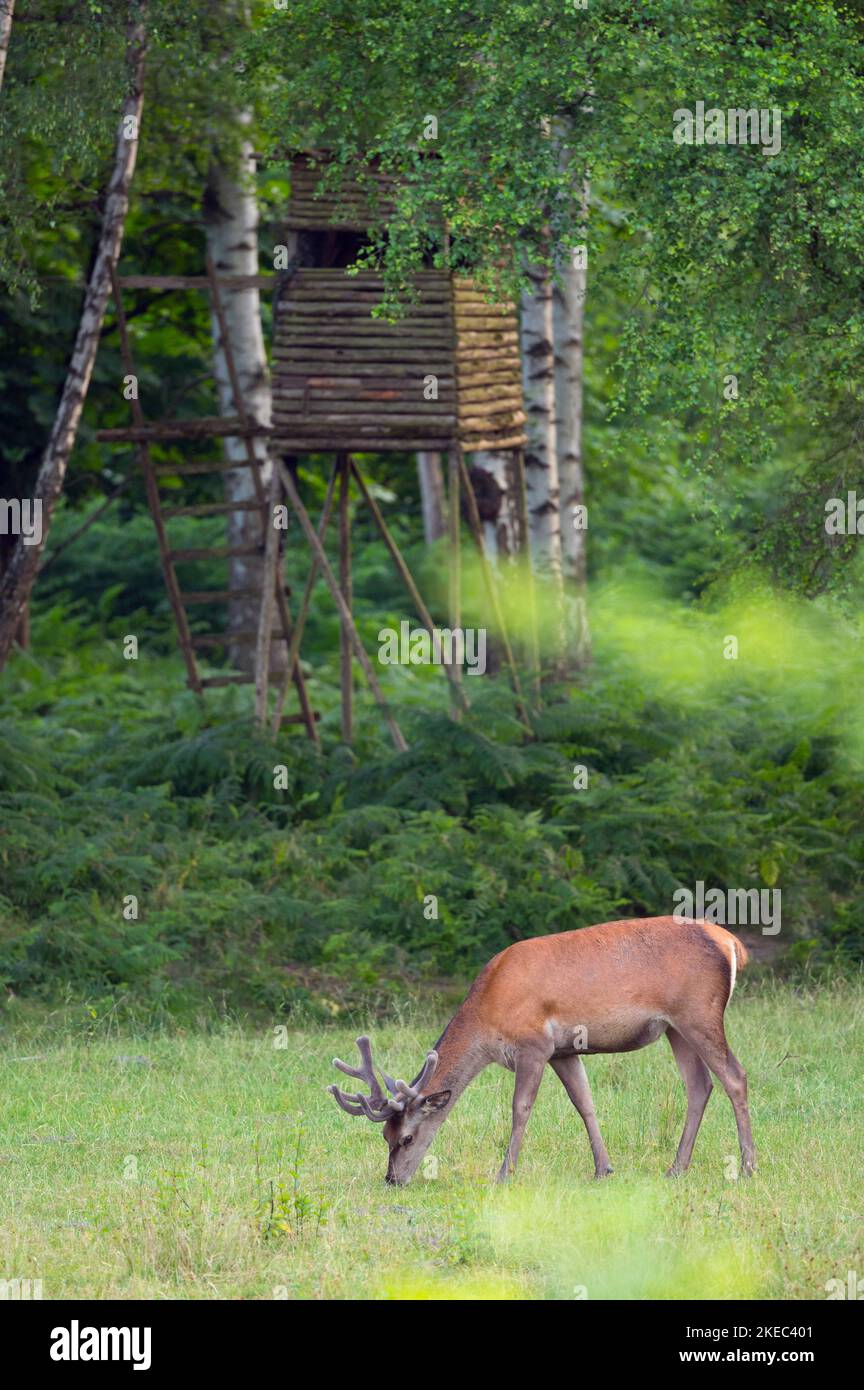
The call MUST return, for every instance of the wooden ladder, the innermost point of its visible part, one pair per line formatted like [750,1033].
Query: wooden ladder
[143,433]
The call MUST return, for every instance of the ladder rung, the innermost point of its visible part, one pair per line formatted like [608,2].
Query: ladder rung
[212,509]
[196,282]
[197,427]
[230,638]
[274,678]
[222,595]
[300,718]
[215,552]
[169,470]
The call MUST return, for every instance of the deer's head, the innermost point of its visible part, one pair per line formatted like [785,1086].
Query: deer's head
[409,1117]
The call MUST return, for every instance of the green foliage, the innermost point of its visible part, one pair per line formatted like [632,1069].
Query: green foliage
[702,260]
[706,261]
[398,866]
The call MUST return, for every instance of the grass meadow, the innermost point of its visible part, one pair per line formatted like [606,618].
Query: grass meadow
[213,1165]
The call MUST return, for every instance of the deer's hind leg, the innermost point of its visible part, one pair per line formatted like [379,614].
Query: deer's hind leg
[574,1078]
[697,1079]
[710,1043]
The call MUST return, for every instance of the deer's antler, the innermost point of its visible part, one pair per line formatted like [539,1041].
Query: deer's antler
[377,1106]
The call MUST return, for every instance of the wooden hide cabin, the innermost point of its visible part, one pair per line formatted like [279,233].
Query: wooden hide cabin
[448,373]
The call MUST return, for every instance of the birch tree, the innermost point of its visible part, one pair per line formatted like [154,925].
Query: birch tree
[231,214]
[541,453]
[497,502]
[19,577]
[568,320]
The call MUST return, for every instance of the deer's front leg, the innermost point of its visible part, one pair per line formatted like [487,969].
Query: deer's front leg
[574,1078]
[529,1074]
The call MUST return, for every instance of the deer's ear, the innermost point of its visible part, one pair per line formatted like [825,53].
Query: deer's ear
[436,1101]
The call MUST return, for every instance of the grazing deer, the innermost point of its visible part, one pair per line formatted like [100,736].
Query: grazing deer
[609,988]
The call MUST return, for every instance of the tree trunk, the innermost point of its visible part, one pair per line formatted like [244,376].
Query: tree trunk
[231,216]
[17,582]
[541,457]
[432,495]
[541,454]
[7,8]
[21,636]
[497,503]
[568,317]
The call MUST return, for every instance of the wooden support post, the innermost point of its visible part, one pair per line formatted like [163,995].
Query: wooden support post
[233,378]
[404,573]
[491,586]
[270,579]
[152,490]
[345,655]
[303,611]
[525,526]
[294,670]
[344,612]
[455,573]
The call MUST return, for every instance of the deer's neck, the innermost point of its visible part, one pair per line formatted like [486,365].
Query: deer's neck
[460,1057]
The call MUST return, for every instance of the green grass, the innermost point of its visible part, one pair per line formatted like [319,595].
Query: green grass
[145,1167]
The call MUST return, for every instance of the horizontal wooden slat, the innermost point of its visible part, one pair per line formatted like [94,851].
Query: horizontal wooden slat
[322,276]
[372,419]
[323,359]
[338,384]
[353,296]
[168,470]
[492,339]
[211,509]
[484,319]
[227,639]
[367,338]
[488,358]
[212,682]
[490,420]
[473,445]
[214,552]
[333,441]
[317,371]
[196,282]
[204,427]
[199,596]
[402,407]
[318,307]
[482,374]
[503,393]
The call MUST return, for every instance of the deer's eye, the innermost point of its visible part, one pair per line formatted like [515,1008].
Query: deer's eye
[409,1139]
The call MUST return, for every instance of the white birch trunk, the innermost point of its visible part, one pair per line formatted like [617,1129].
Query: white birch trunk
[541,458]
[568,317]
[232,241]
[19,577]
[497,503]
[432,495]
[541,454]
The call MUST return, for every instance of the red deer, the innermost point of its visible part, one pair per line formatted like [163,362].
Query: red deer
[609,988]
